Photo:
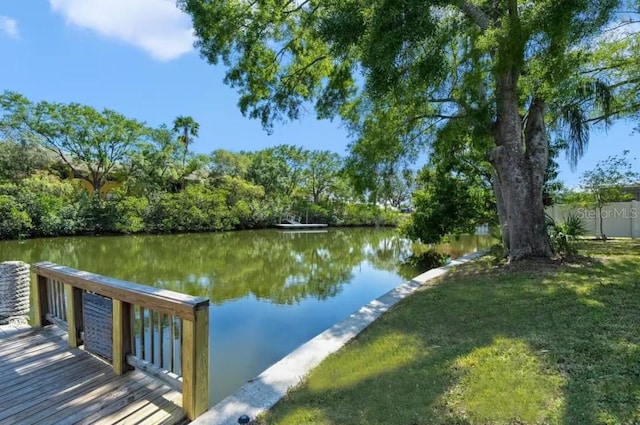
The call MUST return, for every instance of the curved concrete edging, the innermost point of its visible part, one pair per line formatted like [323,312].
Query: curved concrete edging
[261,393]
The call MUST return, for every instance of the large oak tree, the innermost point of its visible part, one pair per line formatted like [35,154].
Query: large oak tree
[510,70]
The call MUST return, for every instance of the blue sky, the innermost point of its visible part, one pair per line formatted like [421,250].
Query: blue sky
[136,57]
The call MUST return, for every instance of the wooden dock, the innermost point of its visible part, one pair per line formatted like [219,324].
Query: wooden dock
[44,381]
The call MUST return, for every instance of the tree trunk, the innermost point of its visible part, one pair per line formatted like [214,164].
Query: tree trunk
[520,161]
[502,211]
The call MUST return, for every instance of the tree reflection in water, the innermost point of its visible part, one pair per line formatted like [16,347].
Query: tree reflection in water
[279,266]
[271,290]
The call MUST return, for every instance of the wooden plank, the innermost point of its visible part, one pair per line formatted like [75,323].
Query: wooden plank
[195,364]
[163,300]
[121,335]
[51,318]
[19,375]
[40,301]
[77,410]
[43,374]
[115,407]
[74,314]
[161,411]
[38,407]
[7,346]
[122,415]
[29,346]
[171,343]
[152,347]
[15,364]
[62,386]
[75,396]
[149,368]
[160,340]
[46,378]
[142,348]
[61,313]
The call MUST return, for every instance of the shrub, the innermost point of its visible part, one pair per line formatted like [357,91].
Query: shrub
[564,235]
[14,222]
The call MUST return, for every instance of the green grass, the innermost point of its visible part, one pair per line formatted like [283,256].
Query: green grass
[531,343]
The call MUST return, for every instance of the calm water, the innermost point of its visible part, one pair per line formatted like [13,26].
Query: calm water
[270,290]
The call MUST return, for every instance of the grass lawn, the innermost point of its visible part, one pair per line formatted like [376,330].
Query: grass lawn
[532,343]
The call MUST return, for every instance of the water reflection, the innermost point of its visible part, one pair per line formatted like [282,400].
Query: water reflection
[272,290]
[283,267]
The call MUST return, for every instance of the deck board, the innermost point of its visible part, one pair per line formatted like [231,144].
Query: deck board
[45,382]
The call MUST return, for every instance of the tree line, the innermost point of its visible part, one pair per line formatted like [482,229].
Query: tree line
[68,169]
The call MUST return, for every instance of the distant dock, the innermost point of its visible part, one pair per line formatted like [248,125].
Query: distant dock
[300,226]
[292,222]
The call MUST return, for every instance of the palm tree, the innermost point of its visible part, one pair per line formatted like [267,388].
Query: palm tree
[187,129]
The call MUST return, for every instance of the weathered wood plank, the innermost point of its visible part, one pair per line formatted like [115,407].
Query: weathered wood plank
[162,300]
[121,339]
[45,378]
[74,314]
[37,407]
[13,345]
[40,301]
[146,390]
[78,396]
[123,415]
[158,412]
[164,375]
[99,399]
[55,384]
[195,364]
[16,362]
[13,378]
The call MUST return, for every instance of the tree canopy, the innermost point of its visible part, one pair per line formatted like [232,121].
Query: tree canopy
[90,142]
[507,72]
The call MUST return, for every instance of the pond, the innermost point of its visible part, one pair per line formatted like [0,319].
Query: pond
[270,290]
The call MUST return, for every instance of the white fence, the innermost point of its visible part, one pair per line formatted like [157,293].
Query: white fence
[619,219]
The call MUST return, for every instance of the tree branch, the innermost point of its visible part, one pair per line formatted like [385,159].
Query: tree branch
[474,13]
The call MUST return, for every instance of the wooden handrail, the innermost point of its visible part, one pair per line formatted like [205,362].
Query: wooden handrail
[193,312]
[162,300]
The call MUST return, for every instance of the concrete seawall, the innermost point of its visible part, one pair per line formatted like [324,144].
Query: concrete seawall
[261,393]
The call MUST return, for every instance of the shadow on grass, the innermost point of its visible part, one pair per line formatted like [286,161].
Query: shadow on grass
[559,344]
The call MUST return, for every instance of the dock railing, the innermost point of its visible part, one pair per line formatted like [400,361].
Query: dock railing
[163,332]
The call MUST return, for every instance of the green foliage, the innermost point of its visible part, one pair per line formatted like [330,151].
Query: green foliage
[320,174]
[20,160]
[226,163]
[89,142]
[427,260]
[14,221]
[447,204]
[130,212]
[367,215]
[165,188]
[187,129]
[278,170]
[564,236]
[51,205]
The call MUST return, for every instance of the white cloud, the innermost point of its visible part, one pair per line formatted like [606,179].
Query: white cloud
[156,26]
[9,26]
